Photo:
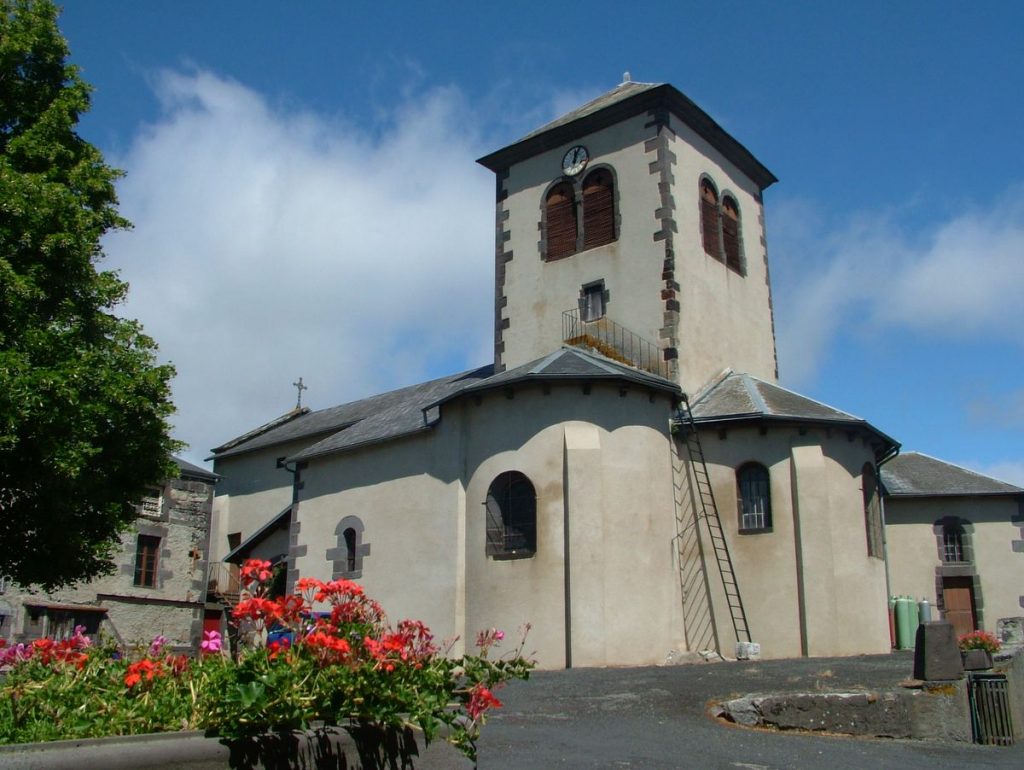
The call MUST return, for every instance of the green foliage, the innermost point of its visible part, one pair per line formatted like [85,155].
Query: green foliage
[83,403]
[385,678]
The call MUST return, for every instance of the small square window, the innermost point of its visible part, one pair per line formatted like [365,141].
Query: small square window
[592,302]
[152,504]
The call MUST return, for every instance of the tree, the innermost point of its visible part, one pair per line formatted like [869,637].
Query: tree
[84,406]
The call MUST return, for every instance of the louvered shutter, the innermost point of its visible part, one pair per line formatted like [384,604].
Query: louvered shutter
[598,209]
[731,235]
[561,222]
[709,227]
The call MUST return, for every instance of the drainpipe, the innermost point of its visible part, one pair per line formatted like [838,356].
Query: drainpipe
[885,536]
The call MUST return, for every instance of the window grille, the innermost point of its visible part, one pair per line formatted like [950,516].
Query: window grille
[152,504]
[511,509]
[953,544]
[598,209]
[731,234]
[709,219]
[561,222]
[754,497]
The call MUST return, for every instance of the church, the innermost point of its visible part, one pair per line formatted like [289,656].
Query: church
[626,476]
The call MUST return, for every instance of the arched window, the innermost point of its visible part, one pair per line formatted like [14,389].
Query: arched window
[754,498]
[598,208]
[347,556]
[731,233]
[350,549]
[953,544]
[511,508]
[709,218]
[872,511]
[560,221]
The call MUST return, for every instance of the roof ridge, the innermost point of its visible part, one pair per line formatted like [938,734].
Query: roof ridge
[711,384]
[754,392]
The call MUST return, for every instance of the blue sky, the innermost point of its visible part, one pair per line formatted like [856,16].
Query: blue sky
[302,182]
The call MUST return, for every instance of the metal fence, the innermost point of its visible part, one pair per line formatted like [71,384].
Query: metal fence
[989,698]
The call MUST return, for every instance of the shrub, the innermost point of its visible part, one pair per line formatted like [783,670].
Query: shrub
[344,665]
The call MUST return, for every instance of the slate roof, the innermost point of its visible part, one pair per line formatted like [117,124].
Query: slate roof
[622,102]
[570,363]
[413,409]
[190,471]
[738,396]
[916,474]
[379,417]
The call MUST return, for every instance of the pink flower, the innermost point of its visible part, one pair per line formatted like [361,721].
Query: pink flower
[211,642]
[157,645]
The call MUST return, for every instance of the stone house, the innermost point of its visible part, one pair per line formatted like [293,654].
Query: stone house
[626,475]
[159,586]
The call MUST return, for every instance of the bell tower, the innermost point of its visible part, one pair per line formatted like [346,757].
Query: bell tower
[634,225]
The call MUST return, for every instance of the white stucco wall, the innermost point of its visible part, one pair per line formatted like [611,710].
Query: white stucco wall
[724,318]
[914,549]
[808,586]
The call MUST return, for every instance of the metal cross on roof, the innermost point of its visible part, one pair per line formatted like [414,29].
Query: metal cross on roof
[301,387]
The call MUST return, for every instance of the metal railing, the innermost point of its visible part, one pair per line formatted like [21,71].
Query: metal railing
[989,698]
[222,582]
[613,341]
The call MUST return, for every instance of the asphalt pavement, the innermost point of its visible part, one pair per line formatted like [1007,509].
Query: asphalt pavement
[658,718]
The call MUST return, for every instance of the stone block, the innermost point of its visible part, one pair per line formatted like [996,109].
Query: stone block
[1010,630]
[936,654]
[748,651]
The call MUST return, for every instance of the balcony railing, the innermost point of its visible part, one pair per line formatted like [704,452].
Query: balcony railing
[223,583]
[606,337]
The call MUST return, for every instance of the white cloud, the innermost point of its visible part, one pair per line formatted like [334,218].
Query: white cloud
[1010,471]
[269,245]
[963,277]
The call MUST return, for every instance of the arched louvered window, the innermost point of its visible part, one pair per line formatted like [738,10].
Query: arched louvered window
[709,218]
[872,511]
[754,497]
[560,221]
[731,233]
[598,208]
[511,508]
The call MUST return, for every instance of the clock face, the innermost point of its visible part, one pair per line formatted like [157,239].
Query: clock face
[575,160]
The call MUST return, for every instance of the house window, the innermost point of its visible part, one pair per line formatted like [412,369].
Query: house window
[347,556]
[592,299]
[350,549]
[560,221]
[731,234]
[709,218]
[152,504]
[511,508]
[872,511]
[754,498]
[598,208]
[147,550]
[953,544]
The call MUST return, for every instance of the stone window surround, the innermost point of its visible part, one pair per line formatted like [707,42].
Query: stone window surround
[339,555]
[966,568]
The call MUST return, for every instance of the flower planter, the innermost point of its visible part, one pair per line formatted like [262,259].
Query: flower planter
[976,660]
[364,748]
